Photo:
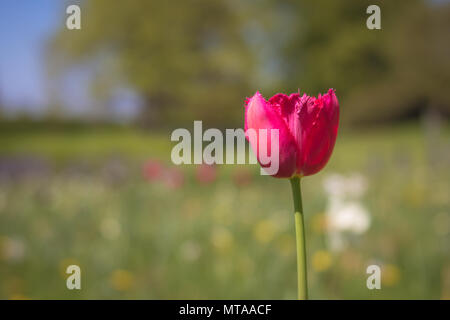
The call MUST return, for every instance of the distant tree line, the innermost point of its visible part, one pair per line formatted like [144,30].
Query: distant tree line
[199,59]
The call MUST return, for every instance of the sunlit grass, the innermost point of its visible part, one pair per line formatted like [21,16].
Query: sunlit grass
[138,239]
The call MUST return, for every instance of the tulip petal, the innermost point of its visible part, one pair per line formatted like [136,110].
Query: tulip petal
[260,115]
[319,119]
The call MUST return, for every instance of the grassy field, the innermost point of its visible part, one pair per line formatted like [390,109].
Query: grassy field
[83,196]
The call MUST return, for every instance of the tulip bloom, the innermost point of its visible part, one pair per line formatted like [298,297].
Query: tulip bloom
[307,129]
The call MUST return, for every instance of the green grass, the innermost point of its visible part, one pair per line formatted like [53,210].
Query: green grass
[86,143]
[138,239]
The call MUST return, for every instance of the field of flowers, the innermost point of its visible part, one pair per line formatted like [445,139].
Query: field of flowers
[139,227]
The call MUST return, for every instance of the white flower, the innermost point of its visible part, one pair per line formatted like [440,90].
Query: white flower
[349,216]
[13,249]
[345,213]
[333,185]
[190,251]
[354,186]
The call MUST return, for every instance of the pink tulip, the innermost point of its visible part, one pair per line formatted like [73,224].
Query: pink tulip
[307,128]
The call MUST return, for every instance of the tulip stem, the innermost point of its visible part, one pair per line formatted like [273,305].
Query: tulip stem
[300,239]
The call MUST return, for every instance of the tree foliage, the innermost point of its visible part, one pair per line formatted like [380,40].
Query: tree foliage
[197,59]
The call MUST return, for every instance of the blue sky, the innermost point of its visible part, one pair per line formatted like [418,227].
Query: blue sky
[25,29]
[25,26]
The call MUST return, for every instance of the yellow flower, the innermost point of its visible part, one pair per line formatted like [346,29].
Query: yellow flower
[265,231]
[222,239]
[121,280]
[321,260]
[390,275]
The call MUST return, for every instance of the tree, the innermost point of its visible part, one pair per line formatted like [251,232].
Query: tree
[199,59]
[187,58]
[379,74]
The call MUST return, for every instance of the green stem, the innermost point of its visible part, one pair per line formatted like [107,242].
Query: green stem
[300,239]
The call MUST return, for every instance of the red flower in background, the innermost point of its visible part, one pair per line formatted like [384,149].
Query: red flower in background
[206,173]
[153,170]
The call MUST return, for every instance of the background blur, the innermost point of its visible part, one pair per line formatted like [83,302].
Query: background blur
[85,171]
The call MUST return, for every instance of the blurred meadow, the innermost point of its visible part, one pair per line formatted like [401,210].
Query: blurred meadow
[86,176]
